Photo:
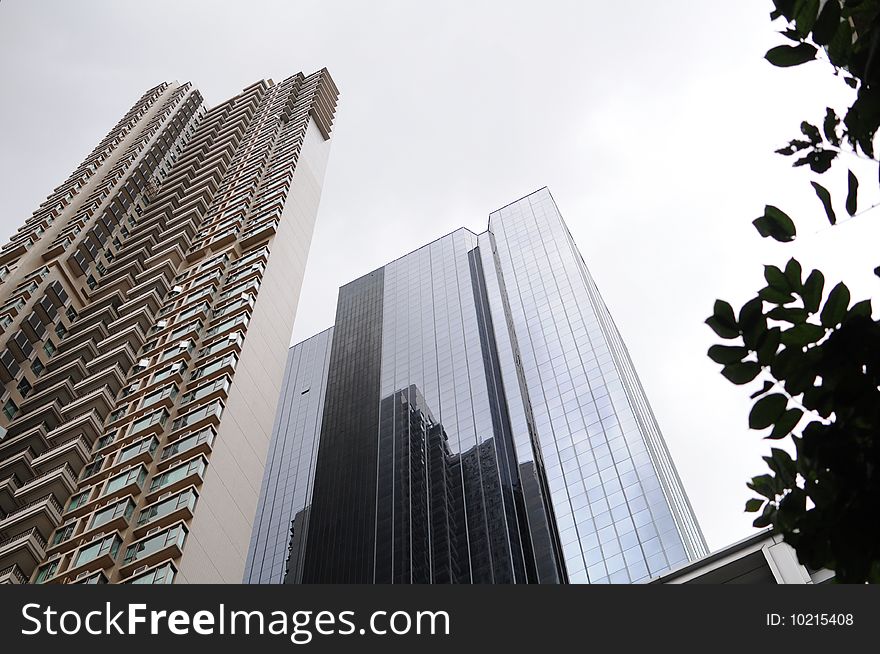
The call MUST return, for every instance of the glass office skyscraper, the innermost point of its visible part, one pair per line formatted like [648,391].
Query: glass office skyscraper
[472,417]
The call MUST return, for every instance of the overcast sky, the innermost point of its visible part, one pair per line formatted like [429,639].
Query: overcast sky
[652,123]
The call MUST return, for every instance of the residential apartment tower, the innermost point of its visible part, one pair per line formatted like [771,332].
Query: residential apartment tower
[146,307]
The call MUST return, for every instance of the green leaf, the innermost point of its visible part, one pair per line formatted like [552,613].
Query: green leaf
[788,314]
[795,145]
[785,423]
[862,308]
[835,306]
[741,373]
[840,47]
[722,321]
[825,197]
[752,322]
[776,278]
[811,132]
[776,297]
[829,126]
[806,16]
[802,335]
[819,160]
[827,22]
[852,193]
[812,294]
[767,410]
[763,485]
[754,505]
[776,224]
[784,56]
[725,354]
[768,344]
[793,275]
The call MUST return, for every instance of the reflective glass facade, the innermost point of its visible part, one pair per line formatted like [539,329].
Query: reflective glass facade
[482,423]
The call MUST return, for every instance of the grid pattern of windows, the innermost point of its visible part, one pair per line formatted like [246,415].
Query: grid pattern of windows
[286,495]
[614,520]
[513,441]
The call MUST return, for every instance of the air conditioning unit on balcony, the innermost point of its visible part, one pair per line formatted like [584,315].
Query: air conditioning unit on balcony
[138,570]
[153,530]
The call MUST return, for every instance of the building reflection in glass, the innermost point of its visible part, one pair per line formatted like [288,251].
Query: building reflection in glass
[481,423]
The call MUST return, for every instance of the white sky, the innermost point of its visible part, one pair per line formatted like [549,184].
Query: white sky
[653,125]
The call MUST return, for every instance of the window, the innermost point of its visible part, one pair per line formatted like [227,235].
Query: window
[174,475]
[145,445]
[109,545]
[92,468]
[24,387]
[185,499]
[158,395]
[37,367]
[194,326]
[49,347]
[109,513]
[214,366]
[10,409]
[47,571]
[64,532]
[147,421]
[183,346]
[231,339]
[173,369]
[79,499]
[214,408]
[134,476]
[206,389]
[229,324]
[173,536]
[164,574]
[195,439]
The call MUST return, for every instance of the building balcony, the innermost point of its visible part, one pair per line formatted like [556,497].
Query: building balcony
[48,414]
[43,514]
[132,336]
[99,401]
[74,371]
[60,482]
[89,425]
[151,549]
[154,284]
[91,578]
[85,352]
[75,453]
[8,486]
[93,332]
[62,391]
[24,550]
[110,378]
[12,575]
[122,357]
[178,507]
[93,556]
[150,300]
[103,310]
[142,318]
[18,464]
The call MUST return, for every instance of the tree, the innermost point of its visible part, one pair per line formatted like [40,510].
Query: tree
[817,354]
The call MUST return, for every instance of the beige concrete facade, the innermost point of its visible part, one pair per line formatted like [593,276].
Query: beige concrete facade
[146,310]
